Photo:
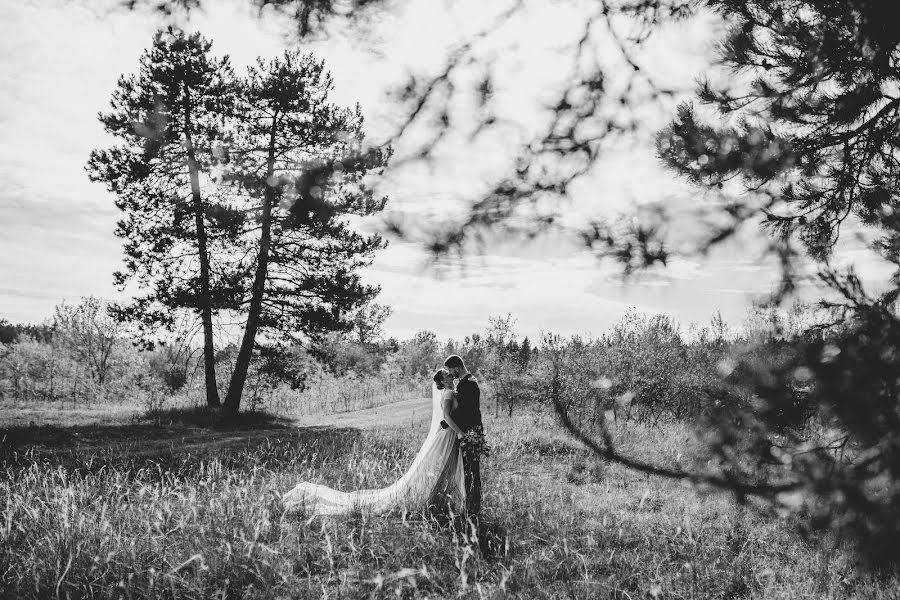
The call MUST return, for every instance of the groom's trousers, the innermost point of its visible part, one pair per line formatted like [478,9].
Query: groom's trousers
[472,475]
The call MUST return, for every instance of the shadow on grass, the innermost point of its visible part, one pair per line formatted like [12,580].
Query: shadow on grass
[177,440]
[215,419]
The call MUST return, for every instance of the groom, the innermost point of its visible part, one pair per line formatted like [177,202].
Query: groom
[467,415]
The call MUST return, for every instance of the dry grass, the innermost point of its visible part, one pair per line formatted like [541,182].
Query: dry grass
[189,509]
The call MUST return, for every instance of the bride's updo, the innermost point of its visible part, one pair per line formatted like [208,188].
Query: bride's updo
[439,378]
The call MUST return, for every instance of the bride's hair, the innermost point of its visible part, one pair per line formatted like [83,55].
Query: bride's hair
[439,378]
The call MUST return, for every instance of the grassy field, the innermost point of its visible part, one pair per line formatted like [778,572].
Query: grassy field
[182,507]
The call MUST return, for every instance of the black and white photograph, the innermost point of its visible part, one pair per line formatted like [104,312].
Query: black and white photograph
[449,299]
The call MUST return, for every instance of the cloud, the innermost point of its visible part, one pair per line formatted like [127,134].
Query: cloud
[542,294]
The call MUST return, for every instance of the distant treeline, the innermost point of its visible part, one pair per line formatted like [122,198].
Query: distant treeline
[10,332]
[645,367]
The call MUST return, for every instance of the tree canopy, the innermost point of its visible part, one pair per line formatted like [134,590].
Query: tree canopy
[808,124]
[305,280]
[168,118]
[238,194]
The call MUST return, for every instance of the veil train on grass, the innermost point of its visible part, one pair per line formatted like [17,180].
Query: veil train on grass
[434,477]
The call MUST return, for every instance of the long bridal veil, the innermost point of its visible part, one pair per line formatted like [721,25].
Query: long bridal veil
[435,476]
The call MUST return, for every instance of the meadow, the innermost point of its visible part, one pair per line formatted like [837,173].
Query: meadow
[118,482]
[181,505]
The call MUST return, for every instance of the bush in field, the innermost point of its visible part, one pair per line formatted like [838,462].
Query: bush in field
[89,334]
[340,355]
[646,356]
[644,369]
[33,370]
[76,358]
[504,366]
[420,356]
[84,358]
[825,416]
[171,364]
[648,370]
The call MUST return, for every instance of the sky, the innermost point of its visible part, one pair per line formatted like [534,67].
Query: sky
[59,63]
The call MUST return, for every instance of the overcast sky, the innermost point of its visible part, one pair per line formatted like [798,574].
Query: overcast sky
[59,62]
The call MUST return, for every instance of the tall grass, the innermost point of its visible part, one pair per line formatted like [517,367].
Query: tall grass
[132,515]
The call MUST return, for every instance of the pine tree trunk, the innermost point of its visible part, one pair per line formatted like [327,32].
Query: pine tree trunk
[245,353]
[209,353]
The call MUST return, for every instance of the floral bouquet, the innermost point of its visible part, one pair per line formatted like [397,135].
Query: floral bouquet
[473,442]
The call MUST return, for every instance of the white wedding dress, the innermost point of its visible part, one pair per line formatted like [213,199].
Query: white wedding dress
[435,477]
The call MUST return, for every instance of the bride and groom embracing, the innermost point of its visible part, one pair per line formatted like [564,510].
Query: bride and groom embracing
[446,470]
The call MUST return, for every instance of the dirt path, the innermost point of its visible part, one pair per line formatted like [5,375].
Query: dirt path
[72,437]
[404,412]
[409,411]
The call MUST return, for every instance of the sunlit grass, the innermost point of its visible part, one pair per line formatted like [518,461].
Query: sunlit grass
[142,515]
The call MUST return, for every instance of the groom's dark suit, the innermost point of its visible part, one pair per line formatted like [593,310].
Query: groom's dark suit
[467,415]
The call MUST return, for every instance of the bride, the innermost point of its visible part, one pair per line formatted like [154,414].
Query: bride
[435,476]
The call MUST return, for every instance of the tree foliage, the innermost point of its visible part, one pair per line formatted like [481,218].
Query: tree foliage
[287,127]
[807,138]
[420,356]
[305,280]
[239,195]
[168,119]
[313,17]
[506,362]
[809,124]
[89,333]
[10,332]
[368,323]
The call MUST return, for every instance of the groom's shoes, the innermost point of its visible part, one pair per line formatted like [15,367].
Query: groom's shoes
[443,424]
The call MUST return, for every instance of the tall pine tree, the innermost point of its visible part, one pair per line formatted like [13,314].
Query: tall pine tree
[167,118]
[299,164]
